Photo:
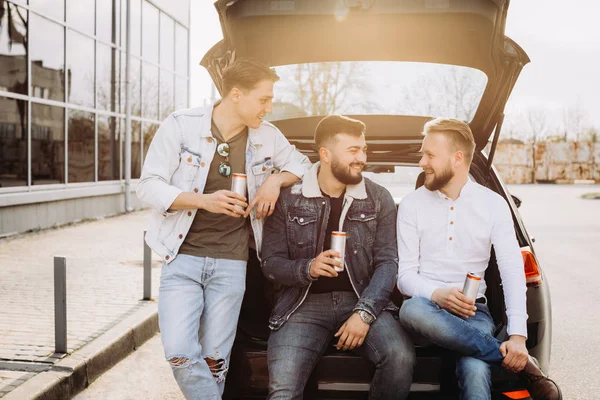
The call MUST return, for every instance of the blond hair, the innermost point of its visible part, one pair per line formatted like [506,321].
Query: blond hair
[457,131]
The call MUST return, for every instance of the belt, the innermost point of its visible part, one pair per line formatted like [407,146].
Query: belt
[481,300]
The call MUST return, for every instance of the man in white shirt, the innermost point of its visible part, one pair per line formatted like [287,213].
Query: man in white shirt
[445,230]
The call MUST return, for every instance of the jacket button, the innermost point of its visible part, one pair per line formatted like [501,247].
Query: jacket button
[209,140]
[362,215]
[202,164]
[167,257]
[301,219]
[195,190]
[189,159]
[180,236]
[189,213]
[264,168]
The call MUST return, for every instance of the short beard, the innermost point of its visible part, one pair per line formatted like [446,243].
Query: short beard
[440,179]
[343,173]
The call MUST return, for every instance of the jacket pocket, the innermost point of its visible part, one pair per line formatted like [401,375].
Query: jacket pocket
[189,164]
[302,230]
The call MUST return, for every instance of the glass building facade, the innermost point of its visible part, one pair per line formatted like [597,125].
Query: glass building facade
[62,88]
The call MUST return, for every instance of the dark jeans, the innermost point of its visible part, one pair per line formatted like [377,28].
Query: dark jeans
[297,346]
[471,338]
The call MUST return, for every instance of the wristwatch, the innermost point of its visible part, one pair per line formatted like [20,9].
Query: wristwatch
[366,316]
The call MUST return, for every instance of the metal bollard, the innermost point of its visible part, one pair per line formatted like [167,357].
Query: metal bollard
[147,270]
[60,304]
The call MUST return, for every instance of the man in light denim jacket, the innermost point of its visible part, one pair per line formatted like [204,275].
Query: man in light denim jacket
[314,301]
[199,227]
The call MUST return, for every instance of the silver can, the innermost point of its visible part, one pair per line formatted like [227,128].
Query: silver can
[238,184]
[338,243]
[471,288]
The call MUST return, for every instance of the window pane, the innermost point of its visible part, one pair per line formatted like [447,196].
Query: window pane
[149,131]
[81,146]
[150,33]
[136,150]
[51,8]
[13,54]
[80,64]
[108,79]
[47,58]
[110,137]
[167,35]
[181,93]
[149,91]
[47,144]
[80,15]
[107,14]
[181,50]
[135,85]
[136,11]
[13,142]
[166,94]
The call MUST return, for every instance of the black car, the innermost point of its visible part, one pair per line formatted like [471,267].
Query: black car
[393,64]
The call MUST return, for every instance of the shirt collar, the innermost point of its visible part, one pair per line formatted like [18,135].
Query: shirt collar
[464,192]
[310,185]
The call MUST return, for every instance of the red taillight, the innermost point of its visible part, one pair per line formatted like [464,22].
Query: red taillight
[533,275]
[517,395]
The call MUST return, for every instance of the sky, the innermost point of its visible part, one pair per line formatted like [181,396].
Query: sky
[561,38]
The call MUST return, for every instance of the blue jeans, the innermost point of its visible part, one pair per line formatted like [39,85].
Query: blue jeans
[471,338]
[297,346]
[198,310]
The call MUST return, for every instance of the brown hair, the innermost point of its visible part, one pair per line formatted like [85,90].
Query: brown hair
[335,124]
[458,132]
[245,74]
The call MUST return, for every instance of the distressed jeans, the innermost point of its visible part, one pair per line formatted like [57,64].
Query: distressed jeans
[198,310]
[471,338]
[295,349]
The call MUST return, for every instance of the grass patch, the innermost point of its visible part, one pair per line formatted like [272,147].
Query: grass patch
[595,196]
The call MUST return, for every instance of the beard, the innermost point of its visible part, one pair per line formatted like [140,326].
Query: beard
[439,179]
[344,173]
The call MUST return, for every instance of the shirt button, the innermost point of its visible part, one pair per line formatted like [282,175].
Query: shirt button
[195,190]
[450,238]
[189,159]
[452,208]
[209,140]
[451,222]
[189,213]
[202,164]
[180,236]
[167,257]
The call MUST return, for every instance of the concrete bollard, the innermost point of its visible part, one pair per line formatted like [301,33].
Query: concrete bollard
[60,304]
[147,270]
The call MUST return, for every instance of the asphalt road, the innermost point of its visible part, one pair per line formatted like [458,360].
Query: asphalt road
[567,232]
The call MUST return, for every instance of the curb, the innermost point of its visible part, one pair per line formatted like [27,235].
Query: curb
[78,370]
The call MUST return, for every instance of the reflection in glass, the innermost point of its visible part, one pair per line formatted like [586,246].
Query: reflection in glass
[181,93]
[80,64]
[136,150]
[51,8]
[47,144]
[13,48]
[111,134]
[81,146]
[13,142]
[149,91]
[181,50]
[150,33]
[149,131]
[80,15]
[47,58]
[167,92]
[167,35]
[107,78]
[135,85]
[106,17]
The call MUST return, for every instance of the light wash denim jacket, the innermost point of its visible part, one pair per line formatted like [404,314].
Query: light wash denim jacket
[178,161]
[295,234]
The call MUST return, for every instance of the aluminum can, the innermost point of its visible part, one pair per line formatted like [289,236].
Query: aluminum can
[238,184]
[338,243]
[471,288]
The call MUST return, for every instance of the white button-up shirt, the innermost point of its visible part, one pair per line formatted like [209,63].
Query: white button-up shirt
[440,240]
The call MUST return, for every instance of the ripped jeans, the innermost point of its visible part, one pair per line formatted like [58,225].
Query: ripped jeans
[198,310]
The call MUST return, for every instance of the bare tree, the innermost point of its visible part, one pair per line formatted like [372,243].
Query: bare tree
[536,119]
[574,119]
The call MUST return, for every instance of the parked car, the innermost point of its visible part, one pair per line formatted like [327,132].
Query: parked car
[392,64]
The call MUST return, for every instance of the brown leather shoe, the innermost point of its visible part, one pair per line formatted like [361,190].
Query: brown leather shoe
[540,386]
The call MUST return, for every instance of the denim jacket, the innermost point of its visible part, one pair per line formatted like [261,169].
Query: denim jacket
[178,161]
[294,235]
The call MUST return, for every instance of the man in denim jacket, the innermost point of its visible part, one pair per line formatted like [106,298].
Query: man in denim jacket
[315,303]
[198,225]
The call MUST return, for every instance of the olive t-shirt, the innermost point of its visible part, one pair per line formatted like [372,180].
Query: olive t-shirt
[219,235]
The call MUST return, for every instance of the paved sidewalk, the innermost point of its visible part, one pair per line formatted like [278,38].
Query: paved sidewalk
[104,286]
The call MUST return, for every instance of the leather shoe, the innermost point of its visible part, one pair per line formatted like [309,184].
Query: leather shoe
[540,386]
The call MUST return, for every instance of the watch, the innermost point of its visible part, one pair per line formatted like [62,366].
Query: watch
[366,316]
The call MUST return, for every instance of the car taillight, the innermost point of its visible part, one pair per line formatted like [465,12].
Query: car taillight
[517,395]
[533,275]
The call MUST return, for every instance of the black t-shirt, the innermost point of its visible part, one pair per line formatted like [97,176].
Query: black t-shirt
[342,282]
